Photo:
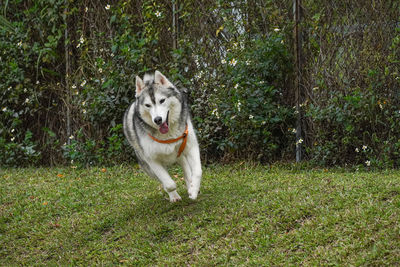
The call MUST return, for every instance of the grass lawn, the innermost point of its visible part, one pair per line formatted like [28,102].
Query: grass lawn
[245,215]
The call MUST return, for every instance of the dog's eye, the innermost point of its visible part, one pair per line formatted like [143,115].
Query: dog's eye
[148,105]
[162,101]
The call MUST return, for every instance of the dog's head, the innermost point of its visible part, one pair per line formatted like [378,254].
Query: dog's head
[159,101]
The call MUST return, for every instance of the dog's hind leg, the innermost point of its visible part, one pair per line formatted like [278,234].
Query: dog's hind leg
[162,175]
[187,171]
[193,161]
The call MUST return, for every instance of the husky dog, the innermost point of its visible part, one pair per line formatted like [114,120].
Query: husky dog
[159,128]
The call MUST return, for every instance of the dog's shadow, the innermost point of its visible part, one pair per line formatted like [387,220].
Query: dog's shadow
[157,205]
[157,220]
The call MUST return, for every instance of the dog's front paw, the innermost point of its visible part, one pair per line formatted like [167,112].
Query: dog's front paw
[193,192]
[174,196]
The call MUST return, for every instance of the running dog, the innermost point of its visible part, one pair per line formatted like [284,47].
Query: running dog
[158,126]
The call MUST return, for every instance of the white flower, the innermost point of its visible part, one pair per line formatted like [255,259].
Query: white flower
[81,40]
[223,61]
[37,82]
[233,62]
[20,44]
[76,92]
[112,54]
[78,45]
[86,9]
[103,80]
[4,109]
[357,150]
[12,139]
[107,7]
[12,130]
[196,60]
[364,147]
[84,111]
[27,100]
[83,83]
[73,86]
[100,70]
[294,131]
[198,75]
[83,103]
[251,117]
[158,14]
[277,30]
[368,162]
[238,105]
[71,137]
[215,113]
[248,62]
[236,86]
[299,141]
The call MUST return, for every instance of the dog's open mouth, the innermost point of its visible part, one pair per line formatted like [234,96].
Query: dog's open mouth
[164,127]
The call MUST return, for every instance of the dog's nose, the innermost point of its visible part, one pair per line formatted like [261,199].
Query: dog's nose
[158,120]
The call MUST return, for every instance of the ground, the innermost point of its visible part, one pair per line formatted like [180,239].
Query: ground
[245,215]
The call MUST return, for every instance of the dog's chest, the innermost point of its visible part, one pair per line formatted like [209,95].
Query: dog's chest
[166,153]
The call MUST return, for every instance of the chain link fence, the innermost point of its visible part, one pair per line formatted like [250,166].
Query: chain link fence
[68,75]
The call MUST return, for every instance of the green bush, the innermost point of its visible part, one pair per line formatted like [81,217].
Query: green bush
[83,151]
[19,153]
[357,128]
[248,116]
[353,95]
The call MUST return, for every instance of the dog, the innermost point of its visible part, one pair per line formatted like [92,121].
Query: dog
[158,126]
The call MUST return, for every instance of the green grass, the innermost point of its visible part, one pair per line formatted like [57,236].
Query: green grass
[245,215]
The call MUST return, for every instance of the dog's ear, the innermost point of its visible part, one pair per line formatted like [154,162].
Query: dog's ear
[139,85]
[161,79]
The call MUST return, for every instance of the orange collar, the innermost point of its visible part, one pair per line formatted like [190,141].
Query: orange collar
[170,141]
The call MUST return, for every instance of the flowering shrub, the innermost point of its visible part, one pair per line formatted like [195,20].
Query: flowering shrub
[26,70]
[359,128]
[248,108]
[353,85]
[85,151]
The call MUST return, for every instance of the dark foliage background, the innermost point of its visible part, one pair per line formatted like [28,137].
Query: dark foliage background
[67,73]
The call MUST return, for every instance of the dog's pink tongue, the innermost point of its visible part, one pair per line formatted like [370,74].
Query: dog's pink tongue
[164,128]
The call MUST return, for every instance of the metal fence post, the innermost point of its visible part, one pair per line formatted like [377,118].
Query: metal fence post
[298,68]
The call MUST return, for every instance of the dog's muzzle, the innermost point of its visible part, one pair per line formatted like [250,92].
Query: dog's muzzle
[158,120]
